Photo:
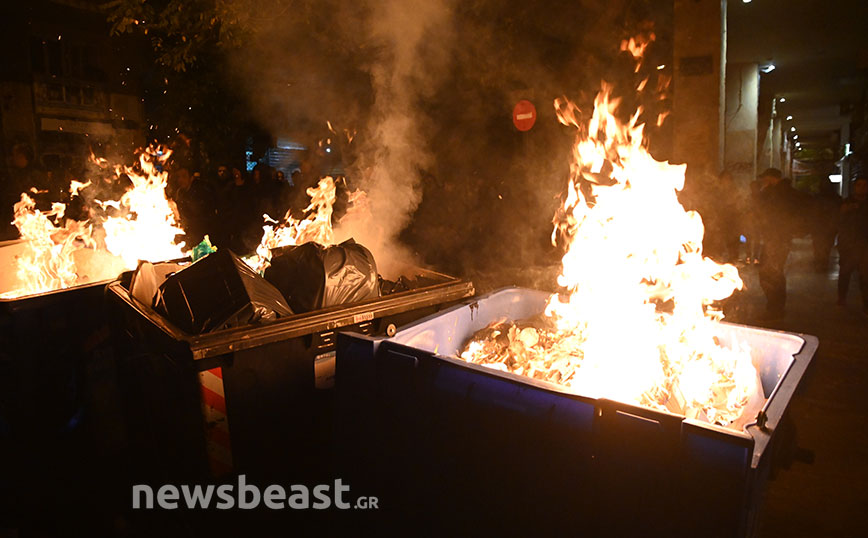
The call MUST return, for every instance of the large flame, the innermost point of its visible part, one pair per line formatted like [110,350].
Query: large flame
[637,322]
[315,227]
[48,260]
[60,253]
[147,228]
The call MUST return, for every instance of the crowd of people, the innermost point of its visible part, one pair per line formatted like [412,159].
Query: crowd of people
[229,207]
[767,218]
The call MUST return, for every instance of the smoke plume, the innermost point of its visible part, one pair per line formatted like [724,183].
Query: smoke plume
[429,87]
[412,41]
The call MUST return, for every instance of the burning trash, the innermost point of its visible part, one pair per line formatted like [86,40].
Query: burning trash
[61,252]
[535,348]
[637,320]
[298,256]
[297,268]
[114,235]
[316,226]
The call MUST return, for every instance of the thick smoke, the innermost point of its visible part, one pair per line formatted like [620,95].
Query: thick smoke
[429,87]
[413,44]
[365,67]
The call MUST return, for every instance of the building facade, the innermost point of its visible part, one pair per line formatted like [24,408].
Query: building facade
[66,87]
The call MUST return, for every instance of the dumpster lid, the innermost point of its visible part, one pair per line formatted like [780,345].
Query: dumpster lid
[217,343]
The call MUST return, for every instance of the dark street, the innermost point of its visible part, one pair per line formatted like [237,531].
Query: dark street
[827,497]
[433,267]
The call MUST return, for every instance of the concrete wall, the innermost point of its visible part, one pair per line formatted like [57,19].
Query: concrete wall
[777,144]
[742,105]
[698,103]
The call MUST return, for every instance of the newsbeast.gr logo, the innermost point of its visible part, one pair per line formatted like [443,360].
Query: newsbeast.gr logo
[248,496]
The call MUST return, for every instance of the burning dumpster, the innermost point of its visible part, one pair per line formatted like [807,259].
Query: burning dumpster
[52,319]
[56,389]
[45,338]
[621,405]
[254,398]
[610,467]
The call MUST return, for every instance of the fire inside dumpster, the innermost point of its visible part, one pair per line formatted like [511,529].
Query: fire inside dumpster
[109,236]
[636,322]
[60,249]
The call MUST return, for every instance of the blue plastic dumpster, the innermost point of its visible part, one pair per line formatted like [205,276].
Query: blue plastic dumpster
[506,451]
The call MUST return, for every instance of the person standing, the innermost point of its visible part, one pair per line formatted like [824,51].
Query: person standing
[196,205]
[853,242]
[778,204]
[753,224]
[824,225]
[239,214]
[277,202]
[730,217]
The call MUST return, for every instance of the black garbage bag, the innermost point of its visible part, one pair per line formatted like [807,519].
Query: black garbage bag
[388,287]
[218,292]
[405,283]
[311,276]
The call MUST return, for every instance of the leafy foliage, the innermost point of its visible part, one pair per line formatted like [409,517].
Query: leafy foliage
[188,95]
[181,32]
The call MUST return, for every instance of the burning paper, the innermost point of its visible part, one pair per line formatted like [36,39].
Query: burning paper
[59,252]
[315,227]
[636,322]
[148,225]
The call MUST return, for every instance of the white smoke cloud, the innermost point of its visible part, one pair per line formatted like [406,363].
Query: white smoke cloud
[413,41]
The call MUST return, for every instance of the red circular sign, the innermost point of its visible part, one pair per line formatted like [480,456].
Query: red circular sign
[524,115]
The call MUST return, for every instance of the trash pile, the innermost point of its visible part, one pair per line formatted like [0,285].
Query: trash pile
[312,276]
[529,347]
[535,348]
[220,291]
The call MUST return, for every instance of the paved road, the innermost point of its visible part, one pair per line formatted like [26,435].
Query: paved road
[830,496]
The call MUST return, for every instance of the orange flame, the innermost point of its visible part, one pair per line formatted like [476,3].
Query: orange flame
[316,227]
[47,263]
[63,253]
[638,324]
[637,45]
[148,227]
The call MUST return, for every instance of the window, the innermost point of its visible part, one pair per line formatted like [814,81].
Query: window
[73,94]
[73,61]
[37,55]
[55,58]
[61,58]
[54,92]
